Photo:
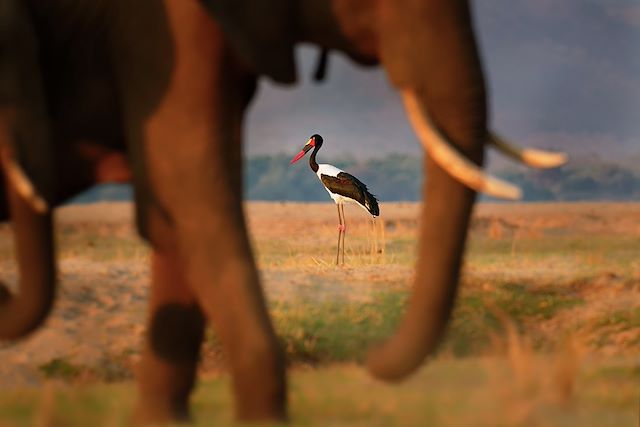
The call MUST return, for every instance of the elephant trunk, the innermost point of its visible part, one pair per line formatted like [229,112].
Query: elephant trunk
[447,84]
[22,313]
[445,217]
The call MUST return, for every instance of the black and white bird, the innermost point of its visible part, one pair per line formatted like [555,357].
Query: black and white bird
[341,186]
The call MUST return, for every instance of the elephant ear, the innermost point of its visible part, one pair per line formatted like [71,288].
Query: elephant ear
[261,33]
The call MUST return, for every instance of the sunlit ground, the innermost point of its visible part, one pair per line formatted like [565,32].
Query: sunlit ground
[546,331]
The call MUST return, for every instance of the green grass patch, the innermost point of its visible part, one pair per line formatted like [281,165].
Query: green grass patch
[520,301]
[335,330]
[613,324]
[331,330]
[61,368]
[110,368]
[621,319]
[473,319]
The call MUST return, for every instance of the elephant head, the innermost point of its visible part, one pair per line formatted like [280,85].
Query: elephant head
[430,54]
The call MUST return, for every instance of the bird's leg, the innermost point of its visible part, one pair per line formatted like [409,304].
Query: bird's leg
[344,230]
[376,231]
[374,240]
[339,234]
[380,235]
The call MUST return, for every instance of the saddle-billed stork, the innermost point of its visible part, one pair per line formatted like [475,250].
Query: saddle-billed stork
[341,186]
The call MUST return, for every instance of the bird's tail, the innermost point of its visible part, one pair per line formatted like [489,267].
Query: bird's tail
[371,203]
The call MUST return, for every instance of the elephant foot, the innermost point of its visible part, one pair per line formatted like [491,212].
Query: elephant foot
[260,399]
[259,385]
[155,411]
[250,411]
[163,393]
[166,372]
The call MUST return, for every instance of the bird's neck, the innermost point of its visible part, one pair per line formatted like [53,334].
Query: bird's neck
[312,159]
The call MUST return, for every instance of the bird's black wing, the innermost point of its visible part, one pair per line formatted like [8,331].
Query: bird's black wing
[349,186]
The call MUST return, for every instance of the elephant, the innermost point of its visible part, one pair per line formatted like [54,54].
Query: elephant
[155,92]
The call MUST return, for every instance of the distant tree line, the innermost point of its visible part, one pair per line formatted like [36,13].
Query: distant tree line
[270,177]
[398,177]
[575,182]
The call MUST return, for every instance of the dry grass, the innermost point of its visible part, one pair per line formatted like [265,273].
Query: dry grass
[448,392]
[546,330]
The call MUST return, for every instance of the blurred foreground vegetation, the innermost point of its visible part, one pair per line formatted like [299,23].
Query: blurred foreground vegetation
[469,393]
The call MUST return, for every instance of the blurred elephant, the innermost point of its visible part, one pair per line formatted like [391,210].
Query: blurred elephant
[97,91]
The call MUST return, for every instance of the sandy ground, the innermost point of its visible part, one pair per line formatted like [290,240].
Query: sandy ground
[609,218]
[98,320]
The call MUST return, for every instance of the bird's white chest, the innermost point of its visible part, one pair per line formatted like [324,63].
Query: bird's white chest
[328,170]
[324,169]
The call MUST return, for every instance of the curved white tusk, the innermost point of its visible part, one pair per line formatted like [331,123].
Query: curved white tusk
[22,184]
[450,159]
[529,156]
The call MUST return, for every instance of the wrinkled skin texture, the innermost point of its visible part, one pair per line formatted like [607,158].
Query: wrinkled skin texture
[155,92]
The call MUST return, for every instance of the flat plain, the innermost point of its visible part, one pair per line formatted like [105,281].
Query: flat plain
[546,331]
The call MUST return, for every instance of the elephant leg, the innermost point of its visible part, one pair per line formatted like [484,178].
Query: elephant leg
[166,373]
[187,159]
[233,301]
